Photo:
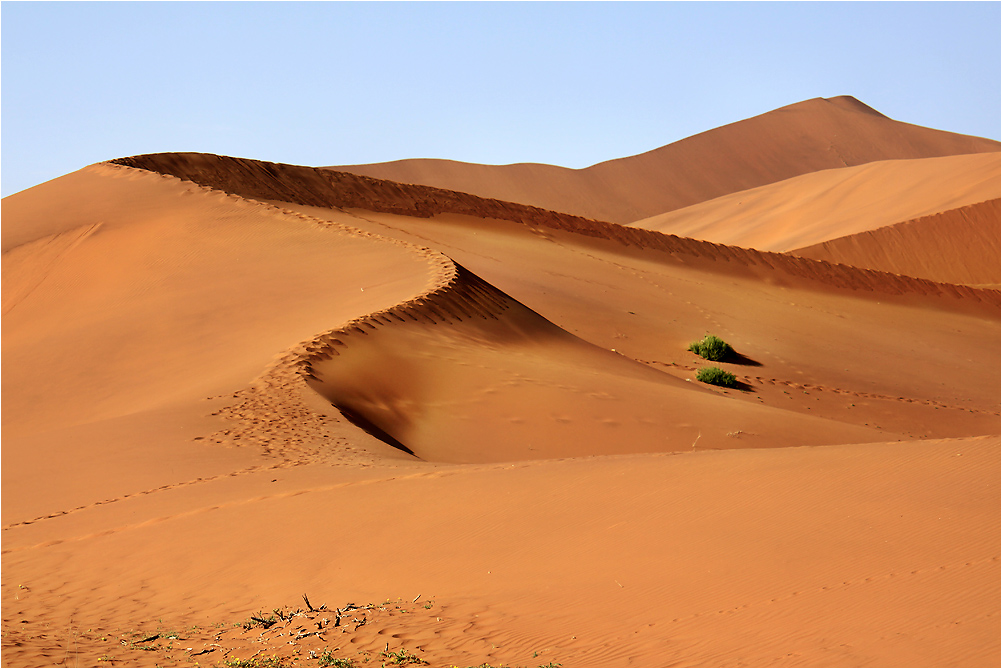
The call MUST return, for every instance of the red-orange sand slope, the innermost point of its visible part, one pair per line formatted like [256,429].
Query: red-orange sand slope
[966,248]
[470,431]
[825,205]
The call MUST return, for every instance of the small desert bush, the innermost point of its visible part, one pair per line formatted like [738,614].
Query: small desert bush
[402,657]
[328,660]
[274,661]
[716,377]
[711,348]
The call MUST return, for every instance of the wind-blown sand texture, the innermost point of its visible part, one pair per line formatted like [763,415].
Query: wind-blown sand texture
[470,431]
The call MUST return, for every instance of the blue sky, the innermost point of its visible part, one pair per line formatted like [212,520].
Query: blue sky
[566,83]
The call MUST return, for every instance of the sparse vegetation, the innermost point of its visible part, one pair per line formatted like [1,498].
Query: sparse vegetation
[273,661]
[259,619]
[402,657]
[716,377]
[711,348]
[326,659]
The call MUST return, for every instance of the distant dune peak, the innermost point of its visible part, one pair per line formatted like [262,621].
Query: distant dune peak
[805,137]
[846,102]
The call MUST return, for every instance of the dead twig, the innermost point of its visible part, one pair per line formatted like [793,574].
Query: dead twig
[264,621]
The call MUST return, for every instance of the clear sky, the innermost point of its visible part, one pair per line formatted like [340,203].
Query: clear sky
[565,83]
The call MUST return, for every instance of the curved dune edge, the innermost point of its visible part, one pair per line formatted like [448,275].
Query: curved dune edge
[452,295]
[959,246]
[278,388]
[484,317]
[320,187]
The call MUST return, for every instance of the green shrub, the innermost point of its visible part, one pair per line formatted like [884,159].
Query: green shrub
[711,348]
[328,660]
[716,377]
[402,657]
[273,661]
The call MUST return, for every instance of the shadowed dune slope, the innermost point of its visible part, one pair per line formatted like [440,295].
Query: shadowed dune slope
[813,135]
[145,298]
[327,189]
[808,349]
[467,374]
[819,206]
[160,272]
[956,246]
[168,267]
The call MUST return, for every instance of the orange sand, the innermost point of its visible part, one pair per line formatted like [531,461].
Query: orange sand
[820,206]
[551,485]
[966,249]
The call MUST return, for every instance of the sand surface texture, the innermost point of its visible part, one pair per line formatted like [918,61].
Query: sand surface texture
[261,415]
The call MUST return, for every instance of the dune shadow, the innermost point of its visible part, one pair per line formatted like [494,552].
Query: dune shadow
[372,429]
[736,358]
[742,386]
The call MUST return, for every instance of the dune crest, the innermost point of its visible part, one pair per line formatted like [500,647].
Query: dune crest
[173,302]
[328,189]
[467,374]
[426,404]
[957,246]
[808,136]
[813,208]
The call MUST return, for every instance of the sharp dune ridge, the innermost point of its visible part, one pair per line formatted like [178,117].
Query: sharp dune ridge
[329,189]
[458,295]
[454,296]
[967,249]
[818,206]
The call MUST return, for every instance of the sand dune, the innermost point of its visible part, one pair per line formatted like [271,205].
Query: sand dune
[820,206]
[172,299]
[956,246]
[500,383]
[326,189]
[673,296]
[806,137]
[530,474]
